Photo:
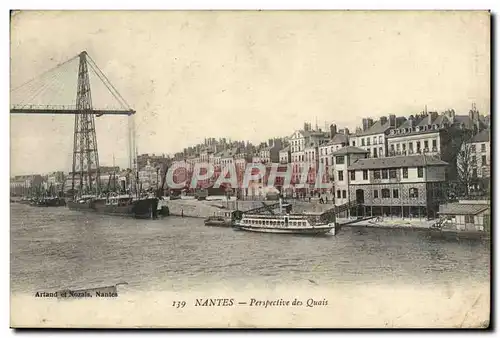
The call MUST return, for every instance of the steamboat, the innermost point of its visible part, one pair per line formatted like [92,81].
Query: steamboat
[285,222]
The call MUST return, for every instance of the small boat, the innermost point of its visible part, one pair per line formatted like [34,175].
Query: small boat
[224,219]
[288,223]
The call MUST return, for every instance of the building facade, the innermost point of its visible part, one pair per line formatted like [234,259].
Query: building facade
[401,186]
[342,159]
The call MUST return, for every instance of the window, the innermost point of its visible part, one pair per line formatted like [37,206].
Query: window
[410,146]
[473,161]
[474,173]
[385,174]
[341,175]
[413,193]
[326,161]
[353,143]
[386,193]
[367,141]
[374,139]
[321,161]
[365,175]
[339,159]
[376,174]
[418,146]
[393,173]
[392,147]
[395,193]
[434,144]
[344,194]
[380,139]
[420,172]
[375,152]
[405,172]
[403,146]
[426,144]
[483,147]
[375,193]
[483,160]
[469,218]
[338,194]
[362,142]
[473,148]
[380,152]
[353,175]
[398,147]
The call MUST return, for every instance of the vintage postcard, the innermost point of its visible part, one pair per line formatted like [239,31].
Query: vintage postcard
[250,169]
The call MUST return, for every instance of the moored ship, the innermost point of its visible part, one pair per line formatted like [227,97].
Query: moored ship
[121,205]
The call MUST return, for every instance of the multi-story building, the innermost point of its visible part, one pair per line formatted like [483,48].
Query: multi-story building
[285,155]
[24,184]
[149,176]
[402,186]
[270,152]
[440,135]
[342,159]
[480,146]
[338,140]
[373,135]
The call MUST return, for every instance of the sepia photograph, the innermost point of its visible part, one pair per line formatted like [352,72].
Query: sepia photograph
[324,169]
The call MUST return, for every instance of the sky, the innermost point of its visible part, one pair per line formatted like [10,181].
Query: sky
[249,75]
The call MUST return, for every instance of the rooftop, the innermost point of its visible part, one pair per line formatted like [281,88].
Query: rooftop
[338,139]
[376,128]
[483,136]
[461,209]
[350,150]
[397,162]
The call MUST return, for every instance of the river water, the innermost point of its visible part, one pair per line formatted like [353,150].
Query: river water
[55,248]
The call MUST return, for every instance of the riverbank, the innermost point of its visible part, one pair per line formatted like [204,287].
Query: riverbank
[395,222]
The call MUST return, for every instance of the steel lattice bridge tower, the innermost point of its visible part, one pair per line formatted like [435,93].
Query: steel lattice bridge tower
[85,167]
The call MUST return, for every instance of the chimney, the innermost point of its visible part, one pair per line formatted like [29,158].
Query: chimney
[333,130]
[399,121]
[451,115]
[307,126]
[271,142]
[383,120]
[346,131]
[432,117]
[392,121]
[411,121]
[367,123]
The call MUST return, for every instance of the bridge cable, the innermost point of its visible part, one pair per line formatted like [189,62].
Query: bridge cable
[106,81]
[45,73]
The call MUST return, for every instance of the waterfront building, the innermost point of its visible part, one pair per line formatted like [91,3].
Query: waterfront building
[402,186]
[480,146]
[338,140]
[468,215]
[304,145]
[342,159]
[149,176]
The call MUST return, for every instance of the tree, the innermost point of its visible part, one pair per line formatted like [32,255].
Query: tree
[465,168]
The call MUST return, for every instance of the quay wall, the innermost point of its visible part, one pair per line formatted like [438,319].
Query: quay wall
[203,209]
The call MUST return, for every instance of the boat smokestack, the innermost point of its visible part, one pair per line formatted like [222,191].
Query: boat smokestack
[281,205]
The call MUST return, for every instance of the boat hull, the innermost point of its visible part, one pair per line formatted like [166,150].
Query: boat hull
[226,224]
[144,208]
[319,230]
